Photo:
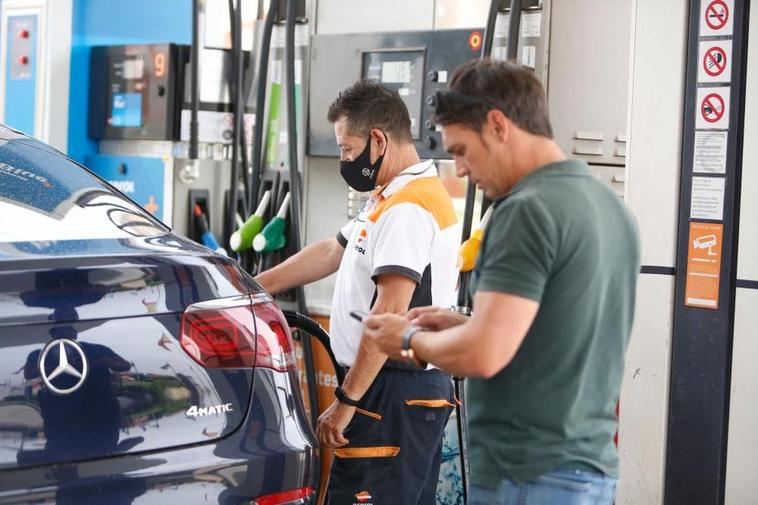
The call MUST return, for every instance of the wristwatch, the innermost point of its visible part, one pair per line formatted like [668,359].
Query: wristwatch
[406,351]
[406,344]
[343,398]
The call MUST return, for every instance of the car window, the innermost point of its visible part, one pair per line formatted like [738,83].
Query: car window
[45,196]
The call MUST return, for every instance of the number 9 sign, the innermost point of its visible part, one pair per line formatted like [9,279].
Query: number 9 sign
[159,63]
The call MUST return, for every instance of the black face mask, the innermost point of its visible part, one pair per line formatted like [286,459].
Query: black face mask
[360,174]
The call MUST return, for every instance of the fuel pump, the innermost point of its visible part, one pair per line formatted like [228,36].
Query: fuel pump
[273,185]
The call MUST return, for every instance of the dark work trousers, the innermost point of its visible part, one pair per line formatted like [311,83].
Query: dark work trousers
[395,439]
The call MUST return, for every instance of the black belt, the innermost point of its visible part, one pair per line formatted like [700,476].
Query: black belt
[394,366]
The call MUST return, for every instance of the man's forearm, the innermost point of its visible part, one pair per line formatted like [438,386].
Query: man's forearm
[314,262]
[365,369]
[454,350]
[394,294]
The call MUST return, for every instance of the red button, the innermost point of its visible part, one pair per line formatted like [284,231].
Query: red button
[24,34]
[23,60]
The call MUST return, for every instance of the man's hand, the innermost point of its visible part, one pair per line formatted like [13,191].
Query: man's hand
[435,318]
[386,332]
[333,422]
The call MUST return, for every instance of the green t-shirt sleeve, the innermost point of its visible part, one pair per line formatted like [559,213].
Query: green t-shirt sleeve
[519,250]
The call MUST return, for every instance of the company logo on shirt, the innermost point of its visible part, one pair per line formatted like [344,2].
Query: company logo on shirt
[361,236]
[363,498]
[358,243]
[24,175]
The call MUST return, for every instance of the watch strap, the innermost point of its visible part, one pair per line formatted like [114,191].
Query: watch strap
[406,343]
[343,398]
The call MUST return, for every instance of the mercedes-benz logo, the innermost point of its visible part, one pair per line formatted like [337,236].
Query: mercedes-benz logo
[63,366]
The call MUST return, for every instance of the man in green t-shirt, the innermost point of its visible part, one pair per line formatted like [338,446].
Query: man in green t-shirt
[553,301]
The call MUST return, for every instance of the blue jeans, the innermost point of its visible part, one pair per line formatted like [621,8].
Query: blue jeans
[559,487]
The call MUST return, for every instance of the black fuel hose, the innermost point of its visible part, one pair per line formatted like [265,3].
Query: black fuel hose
[514,26]
[236,97]
[295,188]
[195,100]
[238,75]
[489,29]
[313,328]
[260,108]
[511,54]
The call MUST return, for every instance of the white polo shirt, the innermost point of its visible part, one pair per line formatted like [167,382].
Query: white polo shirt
[410,228]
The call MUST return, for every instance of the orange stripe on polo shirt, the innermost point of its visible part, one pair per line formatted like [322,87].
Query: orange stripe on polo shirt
[428,193]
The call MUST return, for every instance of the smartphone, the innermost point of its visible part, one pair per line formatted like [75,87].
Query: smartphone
[358,314]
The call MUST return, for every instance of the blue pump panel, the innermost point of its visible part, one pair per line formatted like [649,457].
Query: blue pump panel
[21,72]
[141,179]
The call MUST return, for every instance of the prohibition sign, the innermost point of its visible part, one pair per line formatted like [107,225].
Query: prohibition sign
[714,61]
[717,14]
[712,107]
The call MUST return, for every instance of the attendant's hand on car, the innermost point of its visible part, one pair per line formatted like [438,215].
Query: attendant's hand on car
[435,318]
[333,422]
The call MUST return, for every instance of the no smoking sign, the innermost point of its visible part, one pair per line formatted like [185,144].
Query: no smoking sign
[712,108]
[715,61]
[716,17]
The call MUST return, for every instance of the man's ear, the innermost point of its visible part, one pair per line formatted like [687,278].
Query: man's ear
[380,138]
[499,125]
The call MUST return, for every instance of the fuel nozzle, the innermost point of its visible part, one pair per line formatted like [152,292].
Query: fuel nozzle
[272,238]
[242,239]
[469,250]
[206,236]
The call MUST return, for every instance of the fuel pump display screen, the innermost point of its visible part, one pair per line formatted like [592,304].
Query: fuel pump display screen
[136,91]
[401,71]
[126,111]
[127,73]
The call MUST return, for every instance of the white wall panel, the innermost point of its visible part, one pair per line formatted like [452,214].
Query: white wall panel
[644,394]
[747,261]
[588,80]
[655,118]
[742,456]
[460,14]
[353,16]
[326,201]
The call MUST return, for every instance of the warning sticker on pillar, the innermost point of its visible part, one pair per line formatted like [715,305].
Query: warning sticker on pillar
[716,17]
[712,108]
[529,56]
[708,198]
[710,152]
[715,61]
[704,265]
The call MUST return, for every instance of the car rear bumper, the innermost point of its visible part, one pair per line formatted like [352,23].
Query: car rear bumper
[274,450]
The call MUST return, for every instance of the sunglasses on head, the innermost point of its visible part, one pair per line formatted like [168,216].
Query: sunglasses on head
[447,98]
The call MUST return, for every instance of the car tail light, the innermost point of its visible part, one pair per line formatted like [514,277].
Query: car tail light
[237,332]
[275,347]
[296,496]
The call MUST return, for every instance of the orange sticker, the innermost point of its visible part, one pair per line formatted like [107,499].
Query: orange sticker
[703,266]
[475,40]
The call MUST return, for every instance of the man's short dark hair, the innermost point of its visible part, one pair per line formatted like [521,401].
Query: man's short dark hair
[481,85]
[366,105]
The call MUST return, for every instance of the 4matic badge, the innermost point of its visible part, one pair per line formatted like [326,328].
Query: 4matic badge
[194,411]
